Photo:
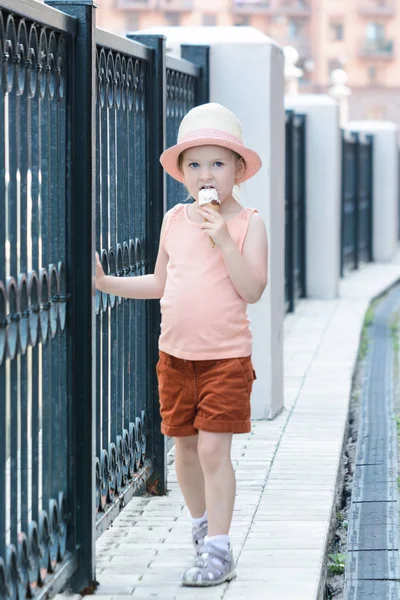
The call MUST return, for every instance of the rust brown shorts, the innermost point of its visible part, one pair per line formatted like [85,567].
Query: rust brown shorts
[210,395]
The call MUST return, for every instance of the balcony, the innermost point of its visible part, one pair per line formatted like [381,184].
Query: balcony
[164,5]
[377,8]
[137,4]
[383,49]
[293,8]
[254,7]
[175,5]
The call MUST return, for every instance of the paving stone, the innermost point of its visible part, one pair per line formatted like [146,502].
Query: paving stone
[113,588]
[101,596]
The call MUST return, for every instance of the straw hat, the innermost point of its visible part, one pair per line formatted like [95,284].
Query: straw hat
[210,125]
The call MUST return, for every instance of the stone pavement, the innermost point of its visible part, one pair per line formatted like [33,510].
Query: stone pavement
[286,471]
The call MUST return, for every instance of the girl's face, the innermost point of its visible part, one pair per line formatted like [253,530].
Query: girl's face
[212,167]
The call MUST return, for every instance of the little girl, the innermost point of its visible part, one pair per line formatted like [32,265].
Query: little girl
[205,372]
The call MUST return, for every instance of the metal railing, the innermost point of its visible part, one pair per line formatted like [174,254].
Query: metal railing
[175,5]
[123,457]
[83,125]
[181,76]
[140,5]
[295,209]
[382,48]
[251,6]
[377,8]
[35,153]
[357,200]
[185,89]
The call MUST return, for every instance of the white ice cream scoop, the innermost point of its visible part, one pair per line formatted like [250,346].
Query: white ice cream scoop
[208,196]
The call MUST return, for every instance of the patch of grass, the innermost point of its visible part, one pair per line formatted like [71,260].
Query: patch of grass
[337,563]
[368,320]
[364,345]
[369,316]
[339,517]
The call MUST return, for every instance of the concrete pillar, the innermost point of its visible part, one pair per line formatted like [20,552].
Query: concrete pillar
[385,215]
[323,193]
[247,76]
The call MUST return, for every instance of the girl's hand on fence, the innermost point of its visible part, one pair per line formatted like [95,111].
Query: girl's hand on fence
[99,272]
[215,227]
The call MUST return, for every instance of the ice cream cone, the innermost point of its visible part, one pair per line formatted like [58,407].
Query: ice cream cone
[209,197]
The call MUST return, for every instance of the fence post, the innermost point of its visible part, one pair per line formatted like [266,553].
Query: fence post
[80,268]
[156,207]
[357,202]
[200,56]
[289,248]
[371,198]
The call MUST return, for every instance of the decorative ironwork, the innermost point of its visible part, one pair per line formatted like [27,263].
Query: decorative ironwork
[357,200]
[295,209]
[180,99]
[33,297]
[349,201]
[365,195]
[122,211]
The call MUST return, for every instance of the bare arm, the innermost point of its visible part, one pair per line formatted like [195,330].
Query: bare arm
[248,270]
[145,287]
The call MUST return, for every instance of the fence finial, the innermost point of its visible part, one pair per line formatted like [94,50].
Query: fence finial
[341,92]
[292,72]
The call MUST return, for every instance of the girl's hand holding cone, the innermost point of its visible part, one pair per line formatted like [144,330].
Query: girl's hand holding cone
[215,226]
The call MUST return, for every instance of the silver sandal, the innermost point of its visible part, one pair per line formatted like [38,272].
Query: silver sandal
[198,535]
[213,566]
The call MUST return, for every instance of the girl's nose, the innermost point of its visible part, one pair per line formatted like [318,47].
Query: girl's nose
[206,174]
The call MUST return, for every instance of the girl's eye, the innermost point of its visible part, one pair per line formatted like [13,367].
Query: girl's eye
[193,165]
[218,164]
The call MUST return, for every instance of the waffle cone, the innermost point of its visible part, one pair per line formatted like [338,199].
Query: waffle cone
[214,206]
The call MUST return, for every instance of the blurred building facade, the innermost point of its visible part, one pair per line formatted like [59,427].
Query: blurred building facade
[360,36]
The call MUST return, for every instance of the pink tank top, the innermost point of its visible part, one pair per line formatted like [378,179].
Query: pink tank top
[203,317]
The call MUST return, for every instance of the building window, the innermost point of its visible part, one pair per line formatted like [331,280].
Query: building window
[172,19]
[209,20]
[372,74]
[336,31]
[242,21]
[333,64]
[294,29]
[375,31]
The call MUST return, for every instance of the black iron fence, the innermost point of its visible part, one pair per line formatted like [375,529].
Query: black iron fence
[35,132]
[122,216]
[83,122]
[357,200]
[295,208]
[185,89]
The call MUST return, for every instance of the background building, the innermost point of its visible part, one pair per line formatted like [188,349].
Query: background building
[360,36]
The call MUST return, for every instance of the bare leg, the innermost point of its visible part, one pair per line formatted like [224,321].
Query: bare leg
[190,474]
[220,482]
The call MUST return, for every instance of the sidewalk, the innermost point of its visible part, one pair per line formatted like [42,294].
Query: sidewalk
[286,471]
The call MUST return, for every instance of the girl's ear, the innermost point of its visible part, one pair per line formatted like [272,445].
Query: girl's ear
[240,168]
